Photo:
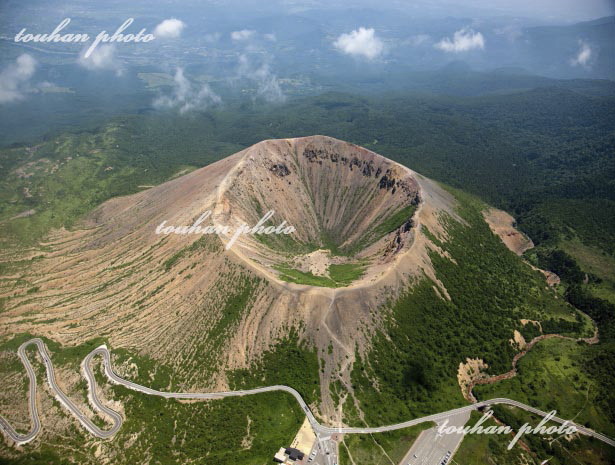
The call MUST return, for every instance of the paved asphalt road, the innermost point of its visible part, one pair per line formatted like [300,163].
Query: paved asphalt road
[117,419]
[326,451]
[430,448]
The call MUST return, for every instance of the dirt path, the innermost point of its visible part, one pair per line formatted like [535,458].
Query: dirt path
[502,224]
[513,372]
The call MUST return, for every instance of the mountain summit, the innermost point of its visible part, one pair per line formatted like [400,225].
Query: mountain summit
[367,229]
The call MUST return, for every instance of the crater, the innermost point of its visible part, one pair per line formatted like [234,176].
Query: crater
[353,210]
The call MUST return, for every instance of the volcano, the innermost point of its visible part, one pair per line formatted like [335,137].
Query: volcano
[365,228]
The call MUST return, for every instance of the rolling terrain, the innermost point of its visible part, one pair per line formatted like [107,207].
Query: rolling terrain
[390,285]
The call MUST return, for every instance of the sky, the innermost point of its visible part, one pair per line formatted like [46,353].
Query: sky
[566,11]
[252,40]
[572,10]
[549,10]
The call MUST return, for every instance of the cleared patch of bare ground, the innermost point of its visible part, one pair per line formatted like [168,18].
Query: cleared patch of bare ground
[502,224]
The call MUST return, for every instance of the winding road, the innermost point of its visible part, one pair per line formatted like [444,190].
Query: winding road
[117,419]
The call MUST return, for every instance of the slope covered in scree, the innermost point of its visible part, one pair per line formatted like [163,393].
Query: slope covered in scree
[368,231]
[351,208]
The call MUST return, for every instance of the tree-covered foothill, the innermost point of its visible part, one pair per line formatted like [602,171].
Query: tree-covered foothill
[415,359]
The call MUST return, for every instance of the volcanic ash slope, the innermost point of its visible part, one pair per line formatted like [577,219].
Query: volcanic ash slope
[187,301]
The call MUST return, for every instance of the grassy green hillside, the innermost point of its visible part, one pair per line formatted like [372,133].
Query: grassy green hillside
[381,448]
[249,430]
[479,449]
[416,358]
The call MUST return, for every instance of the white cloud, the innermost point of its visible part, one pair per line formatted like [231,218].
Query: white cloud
[169,28]
[186,97]
[583,56]
[254,65]
[268,86]
[463,40]
[102,58]
[244,34]
[360,42]
[15,78]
